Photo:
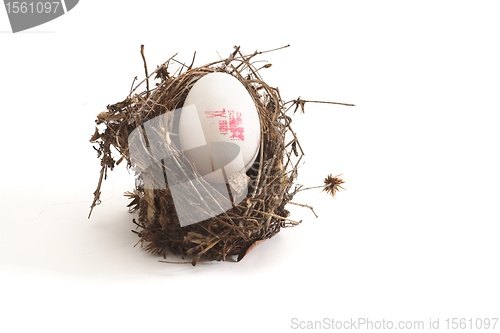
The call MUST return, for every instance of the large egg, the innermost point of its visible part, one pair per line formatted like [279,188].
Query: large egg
[219,127]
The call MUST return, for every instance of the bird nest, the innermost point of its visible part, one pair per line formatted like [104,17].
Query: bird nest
[270,182]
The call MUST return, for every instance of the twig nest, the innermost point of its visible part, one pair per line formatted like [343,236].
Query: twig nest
[223,218]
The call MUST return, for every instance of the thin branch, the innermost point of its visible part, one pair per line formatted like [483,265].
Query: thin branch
[147,78]
[231,57]
[278,217]
[192,61]
[97,192]
[309,188]
[132,85]
[276,49]
[324,102]
[301,102]
[305,206]
[145,69]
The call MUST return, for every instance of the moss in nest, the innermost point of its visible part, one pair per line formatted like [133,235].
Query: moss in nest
[259,216]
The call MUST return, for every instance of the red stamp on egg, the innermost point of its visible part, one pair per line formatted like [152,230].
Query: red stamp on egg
[229,121]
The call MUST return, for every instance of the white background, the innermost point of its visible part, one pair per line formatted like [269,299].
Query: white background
[414,236]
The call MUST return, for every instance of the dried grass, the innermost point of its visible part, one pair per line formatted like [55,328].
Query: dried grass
[259,216]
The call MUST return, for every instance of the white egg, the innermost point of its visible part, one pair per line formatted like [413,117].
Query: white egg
[219,127]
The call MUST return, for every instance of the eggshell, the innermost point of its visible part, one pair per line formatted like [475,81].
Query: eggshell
[219,127]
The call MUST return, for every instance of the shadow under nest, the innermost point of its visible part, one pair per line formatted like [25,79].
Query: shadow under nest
[258,216]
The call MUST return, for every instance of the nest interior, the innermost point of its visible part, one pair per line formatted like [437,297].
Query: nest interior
[259,216]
